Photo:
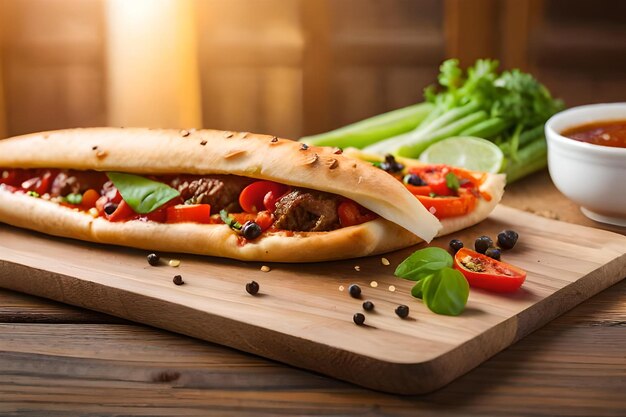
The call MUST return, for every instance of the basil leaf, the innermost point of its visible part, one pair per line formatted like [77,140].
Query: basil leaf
[446,292]
[452,181]
[423,261]
[142,194]
[417,290]
[230,220]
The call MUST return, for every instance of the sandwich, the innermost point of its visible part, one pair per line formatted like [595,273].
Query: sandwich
[230,194]
[207,192]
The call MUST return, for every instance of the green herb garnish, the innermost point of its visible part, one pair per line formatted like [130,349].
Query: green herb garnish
[416,291]
[33,194]
[142,194]
[230,220]
[444,290]
[423,261]
[74,199]
[452,181]
[508,108]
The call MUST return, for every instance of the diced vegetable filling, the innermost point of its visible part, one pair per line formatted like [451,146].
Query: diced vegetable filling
[445,191]
[248,206]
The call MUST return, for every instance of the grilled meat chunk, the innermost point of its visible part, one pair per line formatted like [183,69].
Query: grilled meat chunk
[68,182]
[307,211]
[220,191]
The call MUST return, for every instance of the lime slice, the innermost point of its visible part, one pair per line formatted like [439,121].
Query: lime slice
[468,152]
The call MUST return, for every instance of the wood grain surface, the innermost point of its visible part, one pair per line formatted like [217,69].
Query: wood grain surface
[574,366]
[303,319]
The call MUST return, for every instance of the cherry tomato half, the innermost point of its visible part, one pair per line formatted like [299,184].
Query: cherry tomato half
[189,213]
[253,198]
[484,272]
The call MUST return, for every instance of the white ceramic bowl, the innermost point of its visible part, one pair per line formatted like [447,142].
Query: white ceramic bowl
[592,176]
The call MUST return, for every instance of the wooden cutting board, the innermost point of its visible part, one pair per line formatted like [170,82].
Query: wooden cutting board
[303,318]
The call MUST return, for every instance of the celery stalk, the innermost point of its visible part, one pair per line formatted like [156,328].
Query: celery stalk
[374,129]
[487,129]
[529,136]
[414,147]
[532,157]
[426,129]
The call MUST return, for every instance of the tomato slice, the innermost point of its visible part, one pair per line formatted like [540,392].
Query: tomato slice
[189,213]
[484,272]
[117,197]
[445,202]
[419,189]
[253,198]
[444,207]
[351,214]
[39,184]
[12,177]
[159,216]
[435,177]
[437,183]
[270,200]
[122,213]
[264,218]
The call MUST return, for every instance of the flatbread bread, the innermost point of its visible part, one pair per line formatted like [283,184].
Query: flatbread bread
[404,221]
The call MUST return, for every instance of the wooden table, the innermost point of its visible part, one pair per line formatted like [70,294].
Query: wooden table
[57,360]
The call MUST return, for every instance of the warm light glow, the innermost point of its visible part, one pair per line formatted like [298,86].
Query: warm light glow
[153,75]
[3,131]
[3,128]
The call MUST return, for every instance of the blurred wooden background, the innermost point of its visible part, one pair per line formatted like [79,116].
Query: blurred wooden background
[287,67]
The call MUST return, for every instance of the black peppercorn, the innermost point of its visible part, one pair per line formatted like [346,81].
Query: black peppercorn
[507,239]
[252,287]
[456,245]
[153,259]
[493,253]
[354,290]
[402,311]
[358,319]
[109,208]
[368,306]
[482,243]
[251,230]
[414,179]
[178,280]
[391,165]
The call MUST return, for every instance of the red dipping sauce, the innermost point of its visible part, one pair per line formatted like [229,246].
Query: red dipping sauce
[607,133]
